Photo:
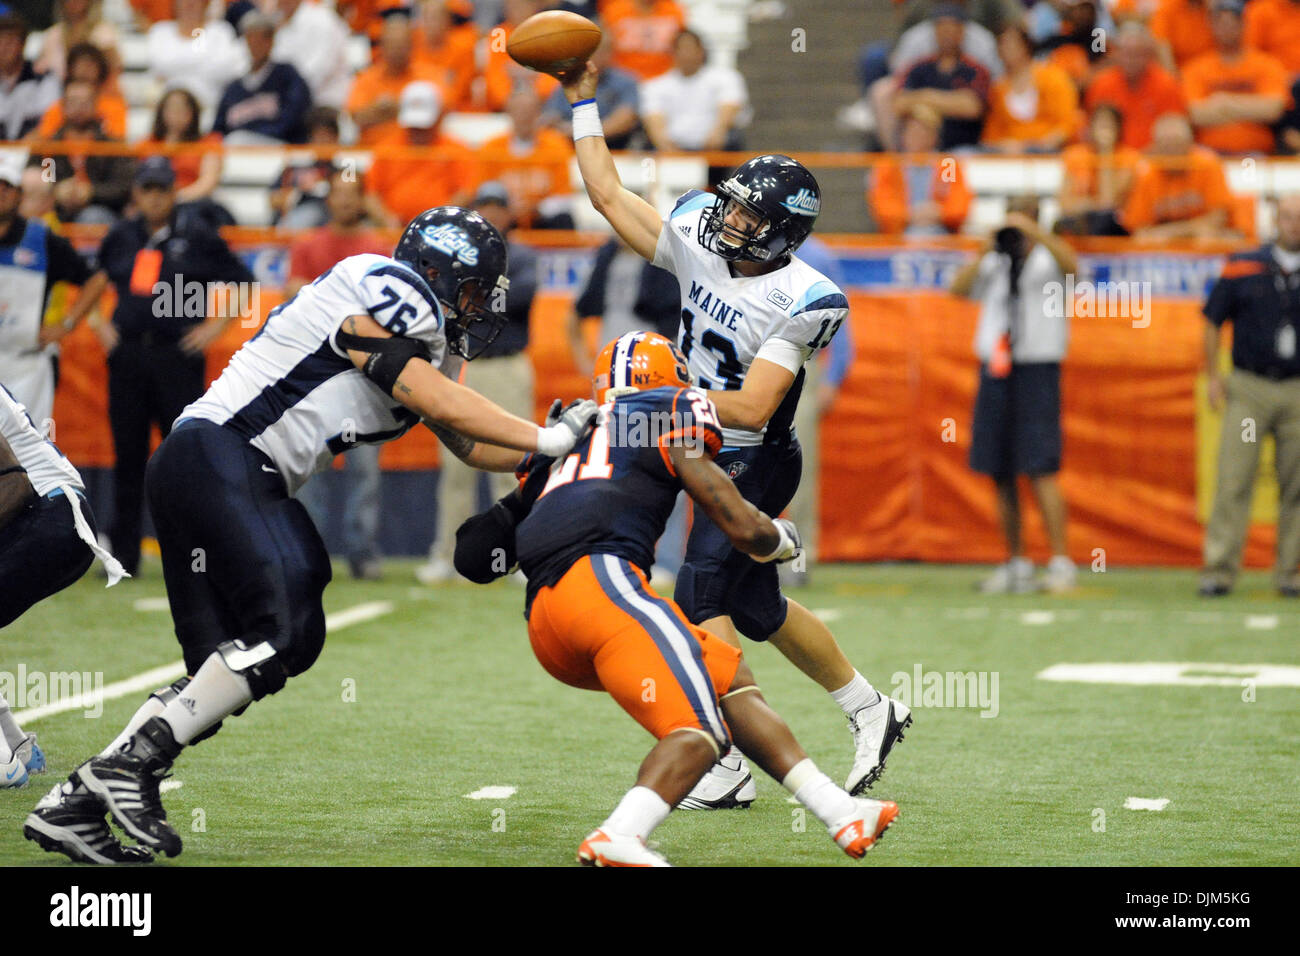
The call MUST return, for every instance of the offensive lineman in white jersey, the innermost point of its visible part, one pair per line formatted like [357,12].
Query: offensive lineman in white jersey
[752,315]
[355,357]
[47,541]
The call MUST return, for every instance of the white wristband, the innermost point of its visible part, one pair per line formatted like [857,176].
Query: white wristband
[586,120]
[554,441]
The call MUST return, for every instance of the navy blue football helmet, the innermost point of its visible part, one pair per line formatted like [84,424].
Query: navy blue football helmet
[783,196]
[463,259]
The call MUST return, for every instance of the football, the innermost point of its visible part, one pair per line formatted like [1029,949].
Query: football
[554,41]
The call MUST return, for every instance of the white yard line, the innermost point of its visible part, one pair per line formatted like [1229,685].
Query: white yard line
[491,793]
[150,604]
[158,676]
[1144,803]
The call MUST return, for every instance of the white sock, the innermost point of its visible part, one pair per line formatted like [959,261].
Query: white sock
[150,708]
[13,734]
[818,793]
[638,813]
[215,693]
[855,695]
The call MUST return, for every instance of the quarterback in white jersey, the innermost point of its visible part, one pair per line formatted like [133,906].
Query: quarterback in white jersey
[752,315]
[355,357]
[728,321]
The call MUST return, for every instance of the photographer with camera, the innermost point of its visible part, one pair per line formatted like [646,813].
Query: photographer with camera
[1017,420]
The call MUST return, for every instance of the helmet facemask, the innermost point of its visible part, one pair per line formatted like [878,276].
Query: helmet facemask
[730,241]
[477,317]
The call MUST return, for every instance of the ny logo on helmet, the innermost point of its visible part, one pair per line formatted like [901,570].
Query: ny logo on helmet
[452,240]
[803,202]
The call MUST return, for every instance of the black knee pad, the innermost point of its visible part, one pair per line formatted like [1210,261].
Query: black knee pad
[166,695]
[259,665]
[756,604]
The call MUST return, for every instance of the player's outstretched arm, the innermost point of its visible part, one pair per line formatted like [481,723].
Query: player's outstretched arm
[757,400]
[434,397]
[749,529]
[634,219]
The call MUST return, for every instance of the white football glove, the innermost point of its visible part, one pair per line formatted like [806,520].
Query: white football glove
[788,548]
[558,439]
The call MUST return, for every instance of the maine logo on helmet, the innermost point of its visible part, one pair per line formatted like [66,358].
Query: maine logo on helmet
[780,200]
[452,240]
[804,202]
[637,362]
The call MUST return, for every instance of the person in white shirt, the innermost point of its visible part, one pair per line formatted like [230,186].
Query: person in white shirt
[694,106]
[1020,341]
[201,55]
[314,40]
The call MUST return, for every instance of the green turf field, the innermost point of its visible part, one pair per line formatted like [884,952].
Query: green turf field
[448,699]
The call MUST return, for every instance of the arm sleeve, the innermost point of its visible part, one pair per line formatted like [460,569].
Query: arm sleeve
[839,356]
[694,425]
[65,264]
[1219,306]
[679,228]
[395,297]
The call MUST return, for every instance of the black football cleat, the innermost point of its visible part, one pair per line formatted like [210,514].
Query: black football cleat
[126,785]
[69,820]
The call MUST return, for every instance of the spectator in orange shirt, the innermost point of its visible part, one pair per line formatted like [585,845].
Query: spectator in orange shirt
[1034,107]
[377,90]
[1185,196]
[87,64]
[1234,94]
[1273,27]
[1183,29]
[1136,85]
[363,16]
[919,197]
[644,31]
[445,39]
[1098,177]
[500,73]
[532,162]
[176,120]
[398,188]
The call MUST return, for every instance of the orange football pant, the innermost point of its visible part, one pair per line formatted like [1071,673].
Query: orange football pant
[602,627]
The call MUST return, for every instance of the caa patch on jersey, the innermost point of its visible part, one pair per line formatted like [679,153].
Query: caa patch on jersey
[453,240]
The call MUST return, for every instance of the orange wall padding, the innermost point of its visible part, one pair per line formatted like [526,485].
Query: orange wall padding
[892,487]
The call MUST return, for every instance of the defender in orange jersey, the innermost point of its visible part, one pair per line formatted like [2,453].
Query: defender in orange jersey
[583,531]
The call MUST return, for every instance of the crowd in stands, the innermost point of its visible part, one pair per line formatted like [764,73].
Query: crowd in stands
[1141,99]
[278,72]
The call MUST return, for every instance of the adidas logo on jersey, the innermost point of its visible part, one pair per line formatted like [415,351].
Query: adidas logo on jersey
[452,240]
[803,202]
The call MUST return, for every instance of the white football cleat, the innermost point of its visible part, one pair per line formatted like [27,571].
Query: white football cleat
[615,849]
[875,731]
[860,833]
[728,785]
[13,773]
